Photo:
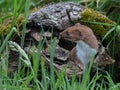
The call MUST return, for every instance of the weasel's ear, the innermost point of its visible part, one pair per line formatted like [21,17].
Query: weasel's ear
[77,24]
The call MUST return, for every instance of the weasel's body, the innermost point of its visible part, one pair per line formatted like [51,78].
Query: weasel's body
[87,44]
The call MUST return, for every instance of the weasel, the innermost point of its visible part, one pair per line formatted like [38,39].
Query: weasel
[86,47]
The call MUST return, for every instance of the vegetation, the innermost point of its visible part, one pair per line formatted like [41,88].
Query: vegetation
[36,77]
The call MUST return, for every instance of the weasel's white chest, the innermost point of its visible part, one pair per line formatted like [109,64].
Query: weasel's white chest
[84,52]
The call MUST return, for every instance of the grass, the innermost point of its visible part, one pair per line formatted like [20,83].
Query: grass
[30,79]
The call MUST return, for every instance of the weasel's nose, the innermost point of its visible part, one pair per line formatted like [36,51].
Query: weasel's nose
[65,34]
[61,34]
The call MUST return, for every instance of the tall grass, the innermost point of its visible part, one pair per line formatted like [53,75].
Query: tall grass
[35,76]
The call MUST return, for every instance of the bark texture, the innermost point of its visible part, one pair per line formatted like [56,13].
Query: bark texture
[60,15]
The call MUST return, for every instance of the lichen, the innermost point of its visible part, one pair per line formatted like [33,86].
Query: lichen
[90,15]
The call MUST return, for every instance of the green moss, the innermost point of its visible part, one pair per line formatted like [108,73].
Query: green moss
[89,15]
[5,26]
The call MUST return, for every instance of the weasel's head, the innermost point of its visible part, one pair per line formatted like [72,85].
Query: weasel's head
[76,33]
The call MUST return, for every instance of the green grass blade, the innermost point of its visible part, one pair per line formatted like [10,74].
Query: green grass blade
[108,33]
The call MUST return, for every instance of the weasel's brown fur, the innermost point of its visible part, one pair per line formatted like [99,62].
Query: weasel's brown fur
[78,33]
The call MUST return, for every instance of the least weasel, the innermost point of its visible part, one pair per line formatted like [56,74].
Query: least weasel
[86,47]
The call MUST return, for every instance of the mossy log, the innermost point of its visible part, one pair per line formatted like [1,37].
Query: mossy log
[72,13]
[61,16]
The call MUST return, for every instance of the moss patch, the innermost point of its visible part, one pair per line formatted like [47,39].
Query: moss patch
[5,26]
[89,15]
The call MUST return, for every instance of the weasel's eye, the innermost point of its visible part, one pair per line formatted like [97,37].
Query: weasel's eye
[67,33]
